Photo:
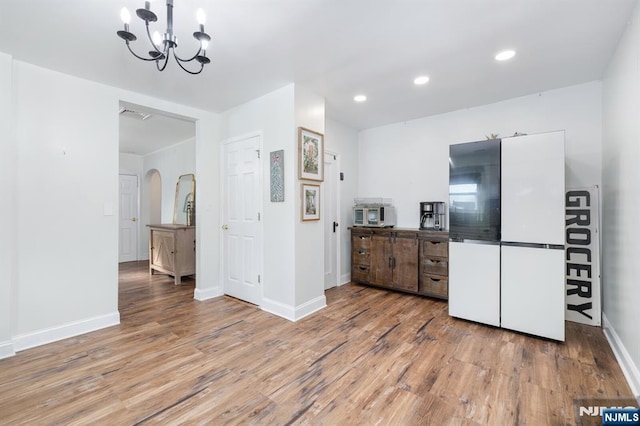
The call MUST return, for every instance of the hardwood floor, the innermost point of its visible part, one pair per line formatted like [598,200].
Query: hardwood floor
[370,357]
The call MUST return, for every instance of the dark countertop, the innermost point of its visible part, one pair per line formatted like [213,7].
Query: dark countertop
[422,232]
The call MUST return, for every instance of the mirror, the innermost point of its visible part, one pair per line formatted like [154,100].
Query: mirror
[184,211]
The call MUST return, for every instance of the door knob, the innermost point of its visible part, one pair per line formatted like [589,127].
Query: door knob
[133,219]
[225,227]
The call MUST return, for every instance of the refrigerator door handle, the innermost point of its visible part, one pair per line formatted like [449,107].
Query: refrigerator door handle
[533,245]
[483,242]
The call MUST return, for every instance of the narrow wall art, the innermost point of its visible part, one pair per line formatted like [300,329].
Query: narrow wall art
[276,167]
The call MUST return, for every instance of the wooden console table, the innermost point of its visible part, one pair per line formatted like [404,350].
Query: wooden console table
[172,250]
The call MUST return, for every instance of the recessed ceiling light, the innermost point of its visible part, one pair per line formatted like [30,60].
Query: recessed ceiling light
[423,79]
[359,98]
[505,55]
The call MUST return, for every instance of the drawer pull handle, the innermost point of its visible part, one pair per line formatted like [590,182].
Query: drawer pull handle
[362,253]
[362,268]
[434,279]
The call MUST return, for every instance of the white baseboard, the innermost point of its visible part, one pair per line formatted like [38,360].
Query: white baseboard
[629,369]
[313,305]
[53,334]
[279,309]
[293,313]
[6,349]
[207,293]
[345,279]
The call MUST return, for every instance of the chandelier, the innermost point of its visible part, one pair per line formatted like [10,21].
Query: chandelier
[163,46]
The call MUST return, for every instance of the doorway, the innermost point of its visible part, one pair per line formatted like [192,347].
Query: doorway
[155,147]
[241,262]
[331,212]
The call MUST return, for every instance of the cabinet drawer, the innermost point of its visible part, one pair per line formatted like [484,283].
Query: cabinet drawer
[436,285]
[360,256]
[435,248]
[360,241]
[360,273]
[435,266]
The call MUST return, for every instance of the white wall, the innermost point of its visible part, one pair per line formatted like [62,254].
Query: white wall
[408,161]
[621,201]
[309,235]
[130,164]
[62,255]
[8,156]
[171,162]
[66,205]
[273,117]
[343,140]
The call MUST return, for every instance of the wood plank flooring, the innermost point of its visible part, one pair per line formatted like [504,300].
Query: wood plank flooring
[370,357]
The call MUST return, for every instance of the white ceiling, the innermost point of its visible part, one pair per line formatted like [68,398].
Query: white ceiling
[337,48]
[159,130]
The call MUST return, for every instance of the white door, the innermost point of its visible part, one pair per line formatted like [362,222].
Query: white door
[241,229]
[331,221]
[474,282]
[128,235]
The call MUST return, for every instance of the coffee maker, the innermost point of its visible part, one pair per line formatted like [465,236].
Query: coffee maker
[432,215]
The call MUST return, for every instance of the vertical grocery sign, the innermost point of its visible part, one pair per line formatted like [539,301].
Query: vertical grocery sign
[582,254]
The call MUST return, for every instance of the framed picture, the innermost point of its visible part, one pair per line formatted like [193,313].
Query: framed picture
[276,169]
[310,202]
[311,154]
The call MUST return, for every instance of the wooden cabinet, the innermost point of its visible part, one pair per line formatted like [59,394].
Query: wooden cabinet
[172,250]
[403,259]
[361,255]
[434,267]
[394,260]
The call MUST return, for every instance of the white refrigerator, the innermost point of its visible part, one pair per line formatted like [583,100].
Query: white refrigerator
[506,253]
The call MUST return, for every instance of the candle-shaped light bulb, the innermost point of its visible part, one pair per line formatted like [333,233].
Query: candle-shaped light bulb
[204,45]
[147,5]
[201,17]
[125,15]
[157,38]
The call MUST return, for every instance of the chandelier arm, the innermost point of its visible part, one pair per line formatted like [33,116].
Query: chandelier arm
[187,60]
[166,61]
[138,56]
[151,39]
[179,62]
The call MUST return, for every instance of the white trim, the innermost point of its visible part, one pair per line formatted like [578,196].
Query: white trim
[75,328]
[6,350]
[277,308]
[313,305]
[207,293]
[337,195]
[345,278]
[629,369]
[189,139]
[293,313]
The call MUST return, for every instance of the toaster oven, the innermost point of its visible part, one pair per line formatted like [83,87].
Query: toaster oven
[374,216]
